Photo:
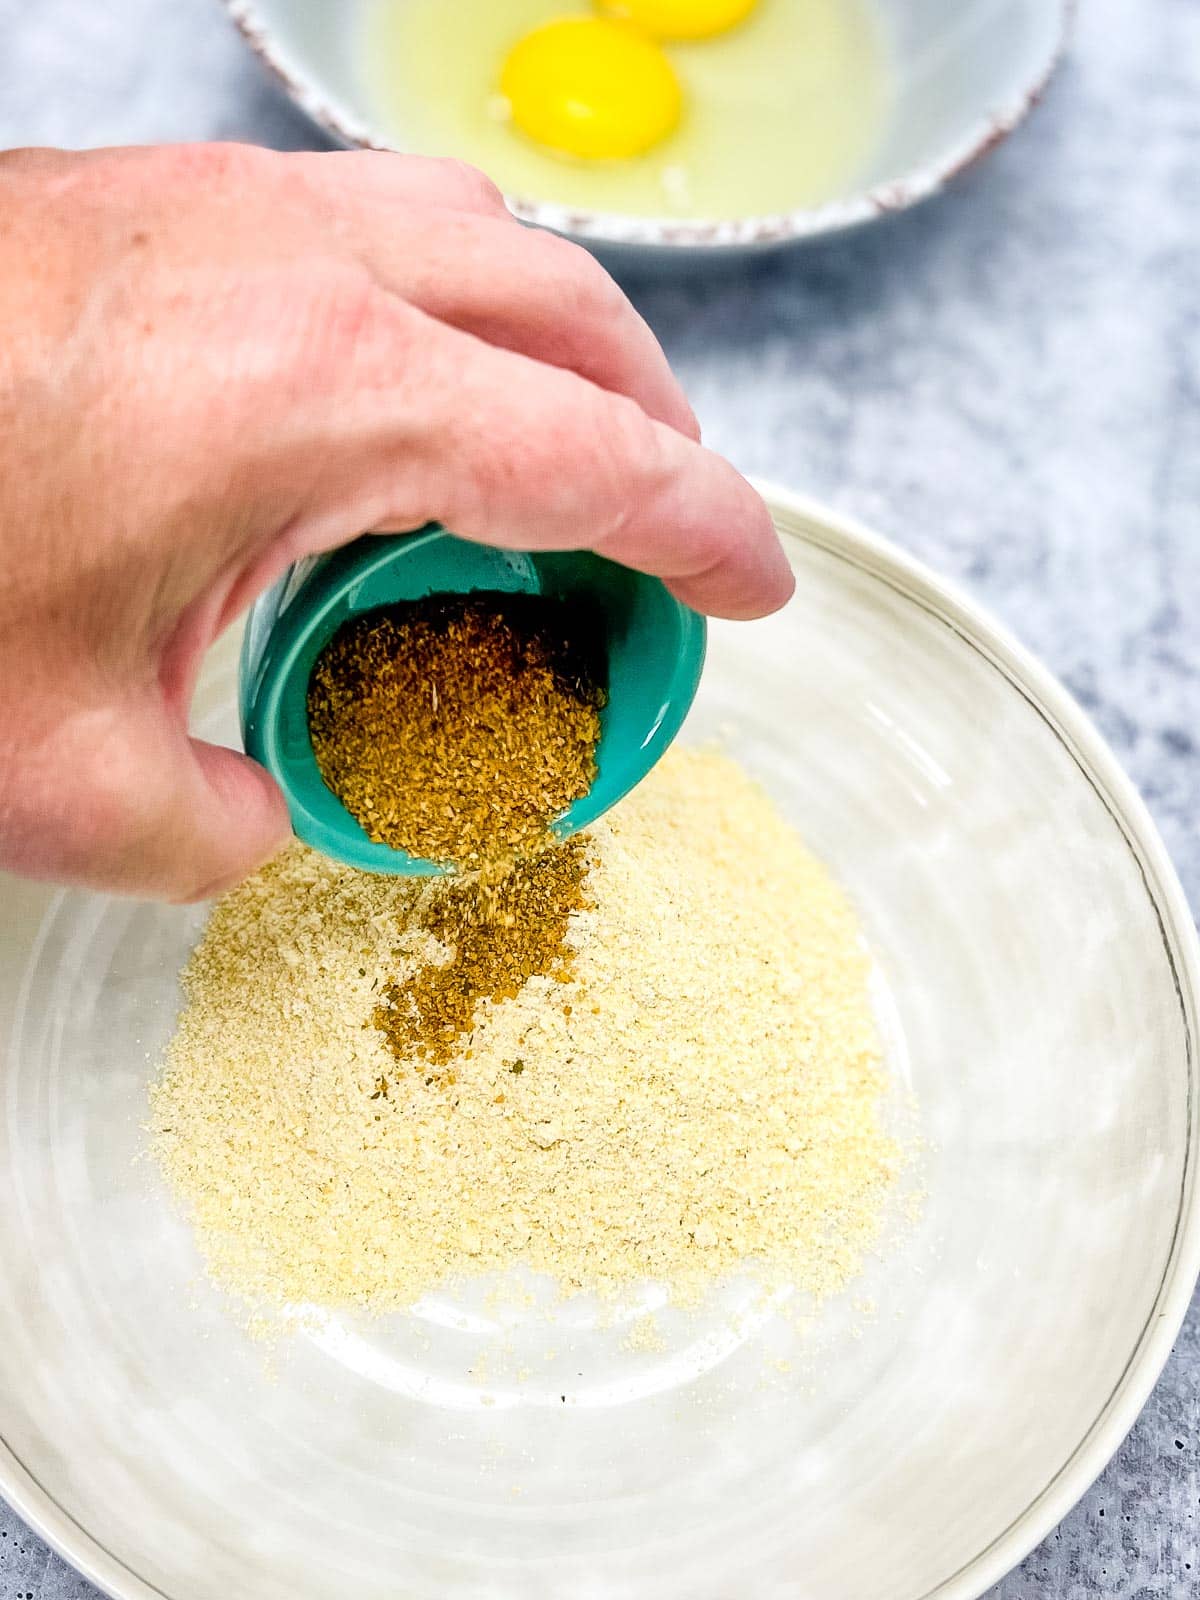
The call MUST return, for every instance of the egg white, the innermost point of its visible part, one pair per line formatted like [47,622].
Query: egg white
[781,112]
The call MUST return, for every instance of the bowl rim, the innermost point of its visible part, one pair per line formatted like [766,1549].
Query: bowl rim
[845,538]
[606,228]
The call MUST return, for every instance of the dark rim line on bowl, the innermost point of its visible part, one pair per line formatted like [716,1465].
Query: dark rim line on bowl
[611,228]
[845,540]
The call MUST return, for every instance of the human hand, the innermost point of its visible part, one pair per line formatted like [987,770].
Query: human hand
[217,360]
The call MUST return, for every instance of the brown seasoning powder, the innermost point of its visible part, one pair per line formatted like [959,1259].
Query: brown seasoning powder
[501,932]
[457,727]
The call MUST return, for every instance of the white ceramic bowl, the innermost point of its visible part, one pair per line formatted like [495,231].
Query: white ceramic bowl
[966,72]
[1037,984]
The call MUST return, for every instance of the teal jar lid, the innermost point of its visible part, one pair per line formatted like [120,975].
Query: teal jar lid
[654,645]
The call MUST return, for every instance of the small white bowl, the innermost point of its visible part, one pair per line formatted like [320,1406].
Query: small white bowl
[967,72]
[1037,982]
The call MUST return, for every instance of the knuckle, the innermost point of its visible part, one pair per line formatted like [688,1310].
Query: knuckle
[331,325]
[467,183]
[216,163]
[335,310]
[632,462]
[592,289]
[634,443]
[367,335]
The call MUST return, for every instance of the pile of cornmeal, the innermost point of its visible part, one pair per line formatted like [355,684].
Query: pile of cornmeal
[701,1094]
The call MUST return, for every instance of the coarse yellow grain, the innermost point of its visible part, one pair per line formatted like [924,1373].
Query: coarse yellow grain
[702,1095]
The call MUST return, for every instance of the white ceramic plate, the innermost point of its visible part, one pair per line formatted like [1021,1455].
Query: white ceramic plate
[1037,983]
[966,72]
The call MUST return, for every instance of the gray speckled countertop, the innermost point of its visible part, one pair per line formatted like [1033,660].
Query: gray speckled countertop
[1006,382]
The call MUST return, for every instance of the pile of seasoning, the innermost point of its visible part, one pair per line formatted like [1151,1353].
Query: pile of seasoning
[500,933]
[457,727]
[703,1094]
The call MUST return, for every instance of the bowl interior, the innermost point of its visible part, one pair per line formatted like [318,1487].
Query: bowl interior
[960,70]
[1035,987]
[653,648]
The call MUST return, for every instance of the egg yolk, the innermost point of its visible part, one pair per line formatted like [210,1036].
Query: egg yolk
[680,19]
[591,88]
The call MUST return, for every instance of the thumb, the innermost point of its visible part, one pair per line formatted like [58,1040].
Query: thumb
[154,813]
[233,818]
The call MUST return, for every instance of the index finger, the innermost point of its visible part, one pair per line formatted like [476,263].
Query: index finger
[514,452]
